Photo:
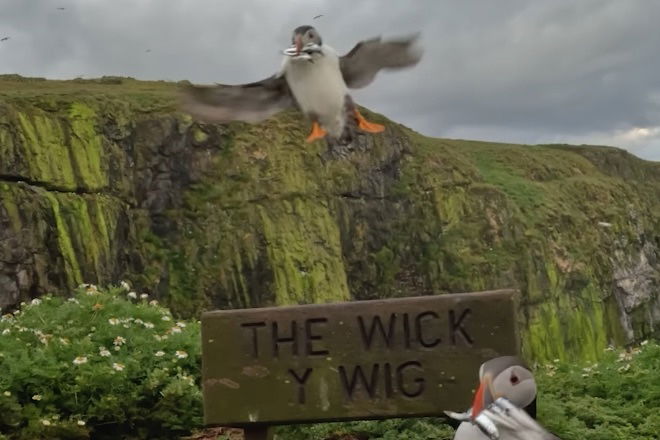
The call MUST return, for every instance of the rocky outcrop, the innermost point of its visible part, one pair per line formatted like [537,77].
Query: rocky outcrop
[103,180]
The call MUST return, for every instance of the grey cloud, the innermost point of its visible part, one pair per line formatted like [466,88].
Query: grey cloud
[514,70]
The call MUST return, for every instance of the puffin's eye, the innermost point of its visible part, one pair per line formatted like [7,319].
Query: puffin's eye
[514,379]
[310,35]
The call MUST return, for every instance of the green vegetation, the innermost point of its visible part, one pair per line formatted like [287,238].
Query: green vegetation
[105,364]
[251,215]
[617,398]
[112,364]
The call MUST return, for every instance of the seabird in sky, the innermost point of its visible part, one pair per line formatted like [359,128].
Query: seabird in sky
[4,39]
[313,78]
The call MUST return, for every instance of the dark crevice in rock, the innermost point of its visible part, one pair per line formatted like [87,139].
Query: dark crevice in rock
[45,185]
[8,178]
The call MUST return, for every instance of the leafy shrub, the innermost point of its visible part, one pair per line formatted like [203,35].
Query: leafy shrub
[106,364]
[390,429]
[616,399]
[109,364]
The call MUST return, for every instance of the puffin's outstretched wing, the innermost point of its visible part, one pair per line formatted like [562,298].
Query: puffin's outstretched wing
[360,66]
[251,102]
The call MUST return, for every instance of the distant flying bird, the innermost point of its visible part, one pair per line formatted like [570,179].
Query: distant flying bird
[148,50]
[313,78]
[61,9]
[4,39]
[317,16]
[506,385]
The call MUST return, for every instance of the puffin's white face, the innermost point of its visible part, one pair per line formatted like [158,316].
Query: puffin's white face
[515,382]
[304,36]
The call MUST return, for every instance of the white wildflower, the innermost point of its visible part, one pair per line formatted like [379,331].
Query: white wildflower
[644,342]
[624,356]
[117,348]
[132,295]
[144,296]
[181,324]
[117,366]
[119,341]
[623,368]
[64,341]
[7,393]
[153,302]
[73,300]
[148,325]
[80,360]
[166,318]
[124,285]
[81,423]
[36,397]
[181,354]
[35,302]
[175,330]
[139,321]
[6,331]
[104,352]
[45,422]
[113,321]
[159,353]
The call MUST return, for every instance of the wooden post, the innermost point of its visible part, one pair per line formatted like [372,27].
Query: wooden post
[258,433]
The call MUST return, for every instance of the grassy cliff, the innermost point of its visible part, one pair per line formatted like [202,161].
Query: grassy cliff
[102,180]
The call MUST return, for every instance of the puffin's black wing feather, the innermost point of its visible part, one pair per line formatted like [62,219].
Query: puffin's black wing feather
[252,102]
[360,66]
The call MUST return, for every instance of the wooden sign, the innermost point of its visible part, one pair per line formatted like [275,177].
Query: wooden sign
[400,357]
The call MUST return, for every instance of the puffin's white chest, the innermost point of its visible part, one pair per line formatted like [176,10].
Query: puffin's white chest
[319,88]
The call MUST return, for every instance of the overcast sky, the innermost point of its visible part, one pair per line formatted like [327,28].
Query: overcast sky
[525,71]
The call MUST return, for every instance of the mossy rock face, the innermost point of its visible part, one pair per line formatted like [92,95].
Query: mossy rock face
[102,181]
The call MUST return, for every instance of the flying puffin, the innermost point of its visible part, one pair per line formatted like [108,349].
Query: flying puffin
[506,385]
[313,78]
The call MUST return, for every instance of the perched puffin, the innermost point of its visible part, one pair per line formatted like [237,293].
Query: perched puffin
[506,377]
[313,78]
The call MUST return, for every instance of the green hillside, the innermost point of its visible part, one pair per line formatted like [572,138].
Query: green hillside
[102,180]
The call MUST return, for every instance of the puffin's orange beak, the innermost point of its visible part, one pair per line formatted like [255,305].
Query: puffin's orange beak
[298,42]
[483,397]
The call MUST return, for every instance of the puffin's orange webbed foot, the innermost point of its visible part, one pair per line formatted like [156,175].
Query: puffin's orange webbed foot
[369,127]
[317,132]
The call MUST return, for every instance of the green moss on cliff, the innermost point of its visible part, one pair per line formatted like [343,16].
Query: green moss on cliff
[247,215]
